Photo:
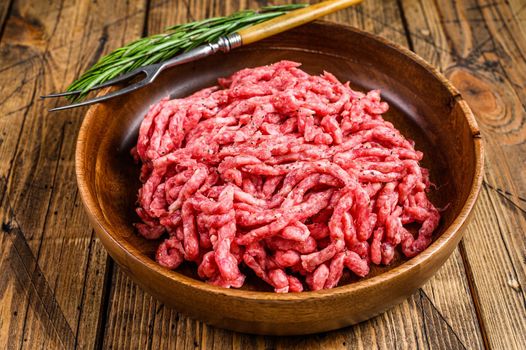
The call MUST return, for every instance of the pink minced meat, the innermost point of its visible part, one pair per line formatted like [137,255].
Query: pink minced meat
[294,176]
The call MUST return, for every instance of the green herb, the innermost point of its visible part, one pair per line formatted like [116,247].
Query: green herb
[177,39]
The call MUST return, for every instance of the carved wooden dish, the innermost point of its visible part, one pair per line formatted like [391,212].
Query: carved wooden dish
[424,106]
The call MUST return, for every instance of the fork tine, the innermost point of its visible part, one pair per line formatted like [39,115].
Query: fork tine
[59,94]
[113,81]
[126,90]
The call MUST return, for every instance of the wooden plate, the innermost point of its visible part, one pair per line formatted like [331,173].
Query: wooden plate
[424,106]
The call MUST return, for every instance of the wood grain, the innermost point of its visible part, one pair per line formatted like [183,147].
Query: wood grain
[481,45]
[46,44]
[4,9]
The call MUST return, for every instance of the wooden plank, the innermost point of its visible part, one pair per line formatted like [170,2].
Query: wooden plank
[439,316]
[11,308]
[43,47]
[21,73]
[110,25]
[4,9]
[517,8]
[480,45]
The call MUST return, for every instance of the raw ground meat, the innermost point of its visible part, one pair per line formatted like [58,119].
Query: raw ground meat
[294,176]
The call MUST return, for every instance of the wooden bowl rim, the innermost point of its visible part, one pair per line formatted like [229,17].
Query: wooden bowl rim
[136,256]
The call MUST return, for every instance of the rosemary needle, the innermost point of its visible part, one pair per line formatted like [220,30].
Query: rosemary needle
[177,39]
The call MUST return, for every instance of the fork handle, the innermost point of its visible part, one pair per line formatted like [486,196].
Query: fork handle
[292,19]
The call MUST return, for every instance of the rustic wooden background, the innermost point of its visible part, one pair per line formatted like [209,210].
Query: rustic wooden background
[59,289]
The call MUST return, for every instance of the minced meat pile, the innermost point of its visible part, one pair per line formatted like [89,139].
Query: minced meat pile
[296,177]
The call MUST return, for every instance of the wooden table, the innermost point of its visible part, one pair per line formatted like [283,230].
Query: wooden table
[58,288]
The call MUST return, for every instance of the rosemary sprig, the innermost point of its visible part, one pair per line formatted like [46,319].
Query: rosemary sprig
[177,39]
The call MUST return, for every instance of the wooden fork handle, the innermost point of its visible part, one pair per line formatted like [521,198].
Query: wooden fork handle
[292,19]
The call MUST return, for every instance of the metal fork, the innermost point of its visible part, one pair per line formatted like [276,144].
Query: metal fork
[225,44]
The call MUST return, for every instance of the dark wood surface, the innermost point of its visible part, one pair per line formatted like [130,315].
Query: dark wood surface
[59,289]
